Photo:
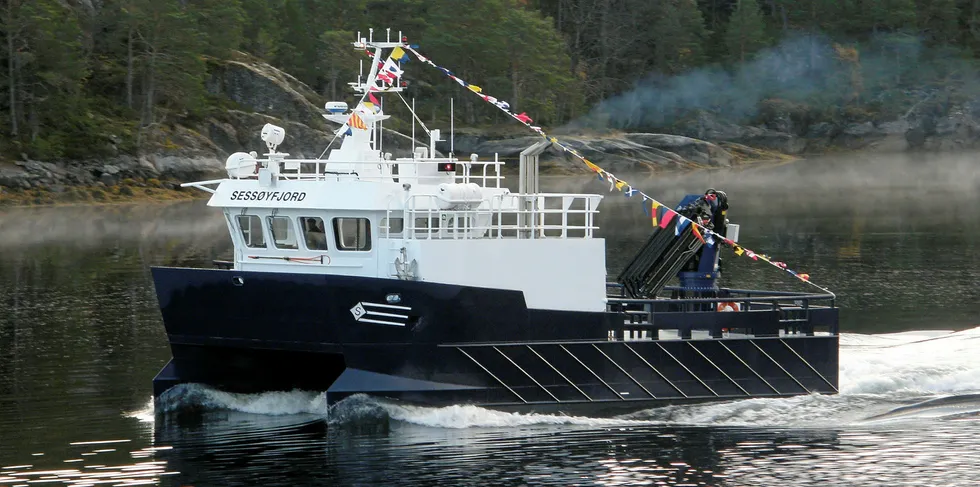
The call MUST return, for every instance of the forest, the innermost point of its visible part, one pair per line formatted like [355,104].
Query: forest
[79,72]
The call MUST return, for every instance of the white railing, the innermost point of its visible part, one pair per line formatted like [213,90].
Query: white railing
[529,216]
[385,170]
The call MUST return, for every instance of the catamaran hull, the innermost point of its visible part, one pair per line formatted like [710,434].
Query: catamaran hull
[436,344]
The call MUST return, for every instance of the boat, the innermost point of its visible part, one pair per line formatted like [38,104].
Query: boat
[425,280]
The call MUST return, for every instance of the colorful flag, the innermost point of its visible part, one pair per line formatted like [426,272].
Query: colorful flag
[475,88]
[523,117]
[655,208]
[682,223]
[392,69]
[371,106]
[592,166]
[668,216]
[630,192]
[374,99]
[398,54]
[739,250]
[697,233]
[356,122]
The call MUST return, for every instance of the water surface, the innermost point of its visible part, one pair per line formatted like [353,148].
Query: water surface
[81,339]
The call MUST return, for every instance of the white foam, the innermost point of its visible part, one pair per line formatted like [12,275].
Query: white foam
[266,403]
[477,417]
[144,414]
[910,364]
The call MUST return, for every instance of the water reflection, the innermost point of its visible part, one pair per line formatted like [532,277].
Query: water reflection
[80,330]
[379,451]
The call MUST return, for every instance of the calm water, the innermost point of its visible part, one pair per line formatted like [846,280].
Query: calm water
[81,338]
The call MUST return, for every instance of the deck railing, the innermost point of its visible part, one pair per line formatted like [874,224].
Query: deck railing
[501,216]
[387,170]
[759,313]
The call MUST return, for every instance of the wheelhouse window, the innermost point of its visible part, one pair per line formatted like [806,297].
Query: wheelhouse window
[391,226]
[352,233]
[251,228]
[314,233]
[283,234]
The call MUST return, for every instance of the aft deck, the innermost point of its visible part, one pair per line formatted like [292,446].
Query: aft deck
[759,314]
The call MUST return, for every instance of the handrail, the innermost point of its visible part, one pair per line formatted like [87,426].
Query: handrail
[722,299]
[425,216]
[293,169]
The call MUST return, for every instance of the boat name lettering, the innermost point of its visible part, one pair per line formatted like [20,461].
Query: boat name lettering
[267,196]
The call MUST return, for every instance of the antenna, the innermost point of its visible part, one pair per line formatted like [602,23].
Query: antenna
[388,34]
[381,127]
[413,123]
[452,126]
[371,35]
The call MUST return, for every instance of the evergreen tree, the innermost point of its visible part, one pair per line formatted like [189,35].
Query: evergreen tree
[297,49]
[261,30]
[889,15]
[746,31]
[166,59]
[678,35]
[820,16]
[47,69]
[221,23]
[938,20]
[541,80]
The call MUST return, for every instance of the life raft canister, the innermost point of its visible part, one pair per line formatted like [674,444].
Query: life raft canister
[729,306]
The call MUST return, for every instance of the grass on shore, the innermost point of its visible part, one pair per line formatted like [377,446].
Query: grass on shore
[127,190]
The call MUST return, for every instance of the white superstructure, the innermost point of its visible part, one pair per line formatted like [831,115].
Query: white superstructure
[360,212]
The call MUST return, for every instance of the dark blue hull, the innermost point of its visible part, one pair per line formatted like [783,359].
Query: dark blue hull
[438,344]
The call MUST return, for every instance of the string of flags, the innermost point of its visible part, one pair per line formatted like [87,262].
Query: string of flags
[660,214]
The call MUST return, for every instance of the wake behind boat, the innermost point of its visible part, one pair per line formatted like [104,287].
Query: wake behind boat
[425,279]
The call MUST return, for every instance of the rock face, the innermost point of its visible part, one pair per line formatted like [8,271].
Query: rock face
[707,126]
[621,152]
[262,88]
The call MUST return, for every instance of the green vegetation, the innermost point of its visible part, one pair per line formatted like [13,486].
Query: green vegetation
[88,82]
